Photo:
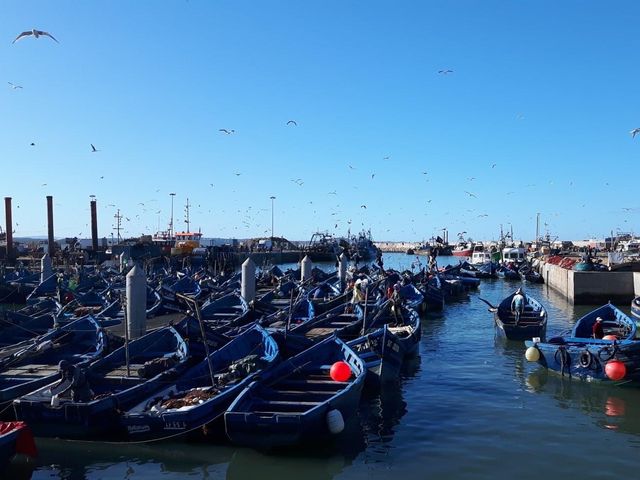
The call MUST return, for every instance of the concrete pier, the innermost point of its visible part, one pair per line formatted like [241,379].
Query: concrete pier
[591,288]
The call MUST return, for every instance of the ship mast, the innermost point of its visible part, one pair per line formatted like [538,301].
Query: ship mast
[186,215]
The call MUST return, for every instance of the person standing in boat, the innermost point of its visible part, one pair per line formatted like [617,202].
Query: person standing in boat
[517,304]
[597,329]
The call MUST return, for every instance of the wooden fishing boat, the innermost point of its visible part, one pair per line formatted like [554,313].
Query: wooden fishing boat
[194,405]
[382,354]
[532,322]
[153,359]
[577,354]
[15,438]
[635,308]
[297,401]
[23,371]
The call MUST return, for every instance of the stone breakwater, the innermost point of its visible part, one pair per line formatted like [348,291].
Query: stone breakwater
[397,247]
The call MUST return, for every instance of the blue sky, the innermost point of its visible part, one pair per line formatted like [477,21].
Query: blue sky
[546,91]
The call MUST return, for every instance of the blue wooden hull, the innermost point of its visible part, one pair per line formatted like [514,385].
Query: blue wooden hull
[580,356]
[78,342]
[635,308]
[382,354]
[115,390]
[289,405]
[149,421]
[533,321]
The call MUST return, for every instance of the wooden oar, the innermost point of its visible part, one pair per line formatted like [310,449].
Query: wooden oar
[492,308]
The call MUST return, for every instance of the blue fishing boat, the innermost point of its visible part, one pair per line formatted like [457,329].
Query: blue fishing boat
[154,359]
[297,401]
[382,354]
[15,437]
[578,354]
[194,405]
[532,322]
[403,322]
[434,294]
[23,371]
[529,274]
[508,272]
[635,308]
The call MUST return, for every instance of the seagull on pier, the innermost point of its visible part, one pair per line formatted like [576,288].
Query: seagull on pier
[470,194]
[93,149]
[228,132]
[445,72]
[14,86]
[292,122]
[36,34]
[634,132]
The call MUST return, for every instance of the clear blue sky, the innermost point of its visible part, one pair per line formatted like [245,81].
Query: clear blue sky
[546,90]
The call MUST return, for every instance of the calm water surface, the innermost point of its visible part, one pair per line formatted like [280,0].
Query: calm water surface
[470,406]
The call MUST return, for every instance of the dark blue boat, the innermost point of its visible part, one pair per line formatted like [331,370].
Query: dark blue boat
[532,323]
[434,294]
[382,353]
[635,308]
[79,342]
[508,273]
[192,406]
[297,401]
[579,355]
[154,359]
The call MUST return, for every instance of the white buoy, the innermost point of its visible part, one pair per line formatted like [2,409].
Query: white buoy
[306,267]
[136,302]
[335,422]
[248,283]
[532,354]
[46,267]
[342,269]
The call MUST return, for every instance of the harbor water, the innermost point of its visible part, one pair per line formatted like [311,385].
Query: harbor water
[470,406]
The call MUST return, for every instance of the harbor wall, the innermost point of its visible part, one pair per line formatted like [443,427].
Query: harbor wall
[591,288]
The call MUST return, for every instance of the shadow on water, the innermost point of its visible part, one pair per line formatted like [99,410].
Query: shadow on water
[608,406]
[68,460]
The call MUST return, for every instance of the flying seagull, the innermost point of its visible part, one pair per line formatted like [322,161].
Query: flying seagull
[634,132]
[35,33]
[14,86]
[292,122]
[94,149]
[363,206]
[470,194]
[445,72]
[32,144]
[228,132]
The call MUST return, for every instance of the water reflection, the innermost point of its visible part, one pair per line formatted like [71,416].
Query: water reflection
[610,407]
[64,460]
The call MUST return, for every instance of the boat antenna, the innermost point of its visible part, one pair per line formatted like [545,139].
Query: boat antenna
[186,212]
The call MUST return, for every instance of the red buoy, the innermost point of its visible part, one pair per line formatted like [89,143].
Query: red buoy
[615,370]
[609,337]
[340,372]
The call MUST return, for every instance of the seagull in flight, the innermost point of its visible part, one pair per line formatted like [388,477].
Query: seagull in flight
[35,33]
[93,149]
[32,144]
[634,132]
[228,132]
[470,194]
[483,215]
[386,158]
[332,193]
[445,72]
[237,174]
[493,165]
[292,122]
[298,181]
[14,86]
[363,206]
